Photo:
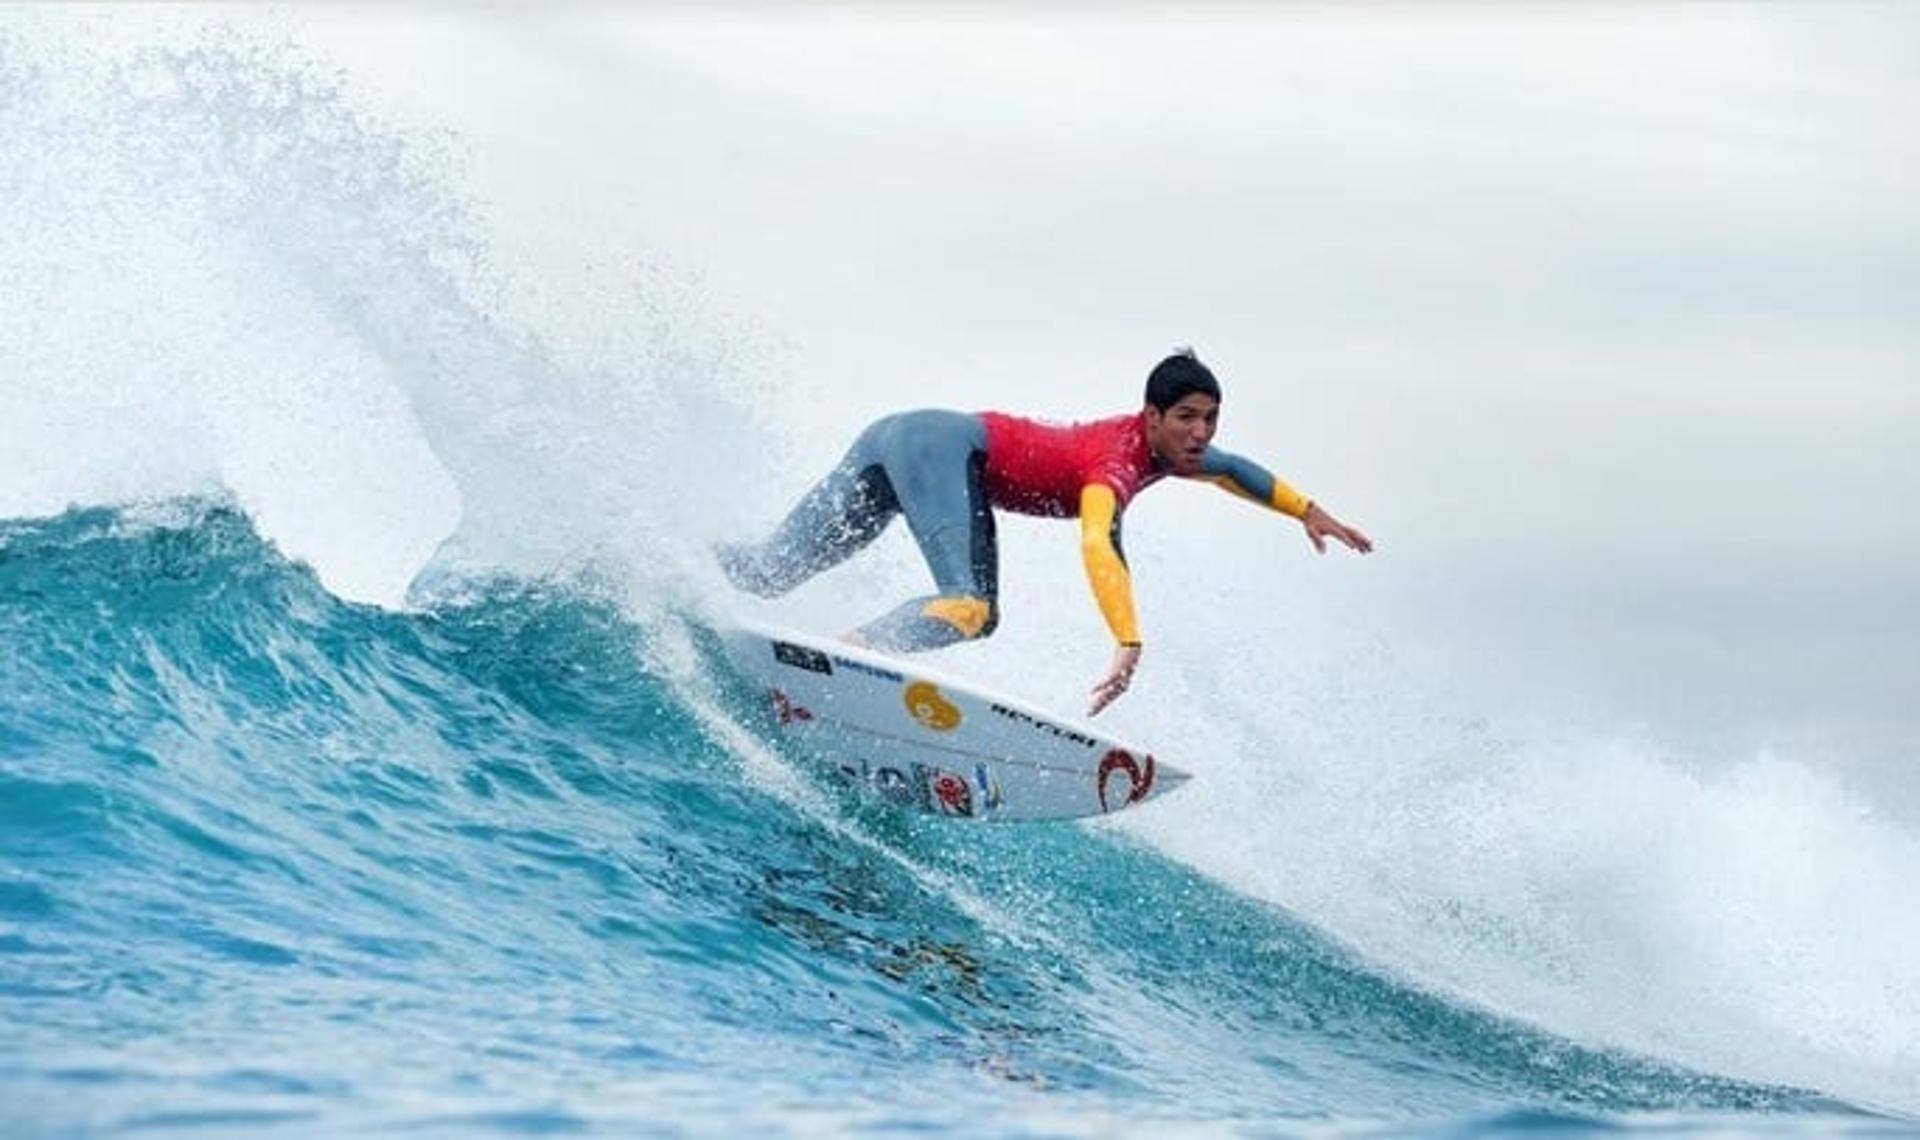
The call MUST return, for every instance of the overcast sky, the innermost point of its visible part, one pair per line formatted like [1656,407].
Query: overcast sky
[1578,272]
[1610,307]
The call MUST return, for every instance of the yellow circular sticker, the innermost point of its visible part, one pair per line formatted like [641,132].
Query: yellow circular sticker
[931,708]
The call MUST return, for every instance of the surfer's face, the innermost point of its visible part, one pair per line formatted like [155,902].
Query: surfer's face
[1179,435]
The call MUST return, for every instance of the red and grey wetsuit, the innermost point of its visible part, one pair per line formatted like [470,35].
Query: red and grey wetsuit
[1093,470]
[947,472]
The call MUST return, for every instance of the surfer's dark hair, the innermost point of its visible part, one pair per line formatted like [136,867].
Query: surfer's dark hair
[1177,377]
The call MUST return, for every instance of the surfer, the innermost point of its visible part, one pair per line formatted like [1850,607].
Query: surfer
[947,471]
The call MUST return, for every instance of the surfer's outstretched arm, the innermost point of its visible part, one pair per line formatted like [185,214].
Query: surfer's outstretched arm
[1112,588]
[1249,480]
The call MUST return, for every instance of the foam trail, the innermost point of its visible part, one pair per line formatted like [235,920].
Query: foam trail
[1751,918]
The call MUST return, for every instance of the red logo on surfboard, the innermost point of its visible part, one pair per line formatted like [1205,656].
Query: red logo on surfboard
[786,711]
[951,796]
[1139,774]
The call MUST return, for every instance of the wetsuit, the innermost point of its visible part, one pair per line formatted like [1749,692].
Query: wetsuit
[947,472]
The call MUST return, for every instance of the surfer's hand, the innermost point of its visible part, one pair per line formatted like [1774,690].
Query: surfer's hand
[1322,526]
[1125,658]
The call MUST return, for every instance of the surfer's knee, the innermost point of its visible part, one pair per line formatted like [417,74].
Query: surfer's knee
[747,570]
[970,616]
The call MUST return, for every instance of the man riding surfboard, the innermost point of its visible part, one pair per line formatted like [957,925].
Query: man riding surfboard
[947,472]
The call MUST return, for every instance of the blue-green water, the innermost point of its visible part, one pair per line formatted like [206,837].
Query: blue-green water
[271,863]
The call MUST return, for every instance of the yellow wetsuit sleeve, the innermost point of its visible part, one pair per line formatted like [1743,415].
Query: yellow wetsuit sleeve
[1106,570]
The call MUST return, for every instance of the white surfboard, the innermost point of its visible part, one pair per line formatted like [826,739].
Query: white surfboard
[930,742]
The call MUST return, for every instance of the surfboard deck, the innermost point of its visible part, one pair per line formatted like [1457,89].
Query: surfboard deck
[929,742]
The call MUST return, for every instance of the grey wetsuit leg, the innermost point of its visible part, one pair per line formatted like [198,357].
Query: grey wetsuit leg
[928,465]
[839,516]
[935,461]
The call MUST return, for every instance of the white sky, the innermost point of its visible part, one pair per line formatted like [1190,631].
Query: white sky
[1576,273]
[1605,321]
[1590,314]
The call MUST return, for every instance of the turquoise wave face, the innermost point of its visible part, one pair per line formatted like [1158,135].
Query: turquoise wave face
[273,860]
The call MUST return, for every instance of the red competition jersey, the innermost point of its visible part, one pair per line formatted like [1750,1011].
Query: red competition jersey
[1038,468]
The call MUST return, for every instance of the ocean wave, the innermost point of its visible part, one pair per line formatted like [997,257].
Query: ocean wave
[328,860]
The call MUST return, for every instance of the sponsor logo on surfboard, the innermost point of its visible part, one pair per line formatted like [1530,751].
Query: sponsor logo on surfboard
[915,786]
[951,794]
[1035,723]
[928,789]
[800,657]
[1139,776]
[787,712]
[931,708]
[853,666]
[991,795]
[892,783]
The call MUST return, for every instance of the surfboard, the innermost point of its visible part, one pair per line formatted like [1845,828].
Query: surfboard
[929,742]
